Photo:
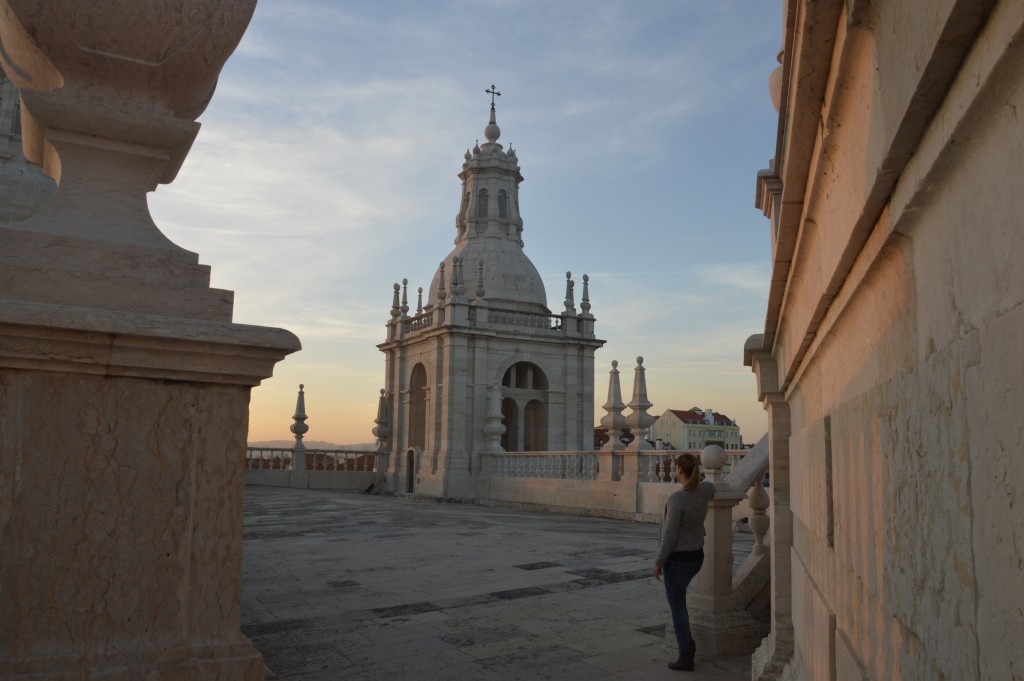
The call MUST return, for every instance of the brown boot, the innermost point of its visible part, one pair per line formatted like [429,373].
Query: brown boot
[683,664]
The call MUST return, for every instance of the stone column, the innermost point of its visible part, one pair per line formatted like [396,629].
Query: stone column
[124,384]
[769,660]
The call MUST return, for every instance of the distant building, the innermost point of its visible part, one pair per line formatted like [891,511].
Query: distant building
[695,429]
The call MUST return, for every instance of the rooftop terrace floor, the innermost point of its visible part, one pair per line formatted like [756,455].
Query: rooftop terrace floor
[361,587]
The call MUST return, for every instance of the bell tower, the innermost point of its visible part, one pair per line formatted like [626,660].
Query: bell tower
[484,365]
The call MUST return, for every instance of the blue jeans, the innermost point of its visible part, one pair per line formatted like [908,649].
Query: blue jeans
[677,575]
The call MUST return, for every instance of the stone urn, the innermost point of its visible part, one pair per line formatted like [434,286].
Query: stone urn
[110,94]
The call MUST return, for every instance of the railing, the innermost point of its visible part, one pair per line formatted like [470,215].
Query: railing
[341,460]
[659,465]
[546,465]
[728,607]
[419,322]
[524,320]
[265,459]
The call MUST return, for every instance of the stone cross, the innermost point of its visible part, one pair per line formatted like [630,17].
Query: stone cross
[493,92]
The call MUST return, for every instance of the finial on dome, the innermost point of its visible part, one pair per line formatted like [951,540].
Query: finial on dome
[493,92]
[492,132]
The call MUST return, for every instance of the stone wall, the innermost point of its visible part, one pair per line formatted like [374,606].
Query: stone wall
[893,338]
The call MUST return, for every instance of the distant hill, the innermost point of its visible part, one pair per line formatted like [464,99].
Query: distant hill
[313,444]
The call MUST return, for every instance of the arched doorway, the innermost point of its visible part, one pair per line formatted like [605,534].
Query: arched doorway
[418,407]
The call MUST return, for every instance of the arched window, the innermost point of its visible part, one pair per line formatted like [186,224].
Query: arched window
[525,376]
[481,204]
[418,407]
[502,204]
[524,408]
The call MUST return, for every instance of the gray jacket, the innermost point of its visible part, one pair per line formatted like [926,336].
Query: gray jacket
[683,529]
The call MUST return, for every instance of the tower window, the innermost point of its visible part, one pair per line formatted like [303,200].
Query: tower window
[525,408]
[481,204]
[502,204]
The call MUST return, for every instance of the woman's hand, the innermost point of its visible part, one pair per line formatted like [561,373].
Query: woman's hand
[657,572]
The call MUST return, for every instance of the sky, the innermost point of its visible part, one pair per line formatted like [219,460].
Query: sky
[326,170]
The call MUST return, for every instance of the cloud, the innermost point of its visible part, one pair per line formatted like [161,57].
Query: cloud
[326,169]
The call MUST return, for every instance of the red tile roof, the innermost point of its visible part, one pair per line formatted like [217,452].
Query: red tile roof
[691,416]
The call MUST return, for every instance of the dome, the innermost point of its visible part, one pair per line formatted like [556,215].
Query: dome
[511,281]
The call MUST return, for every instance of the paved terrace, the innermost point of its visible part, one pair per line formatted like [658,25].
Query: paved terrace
[361,587]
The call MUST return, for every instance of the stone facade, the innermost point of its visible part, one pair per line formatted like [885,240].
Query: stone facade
[124,384]
[890,363]
[484,365]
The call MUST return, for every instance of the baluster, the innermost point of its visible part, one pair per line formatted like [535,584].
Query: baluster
[759,520]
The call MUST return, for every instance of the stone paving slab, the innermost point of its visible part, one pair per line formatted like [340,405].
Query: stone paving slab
[359,587]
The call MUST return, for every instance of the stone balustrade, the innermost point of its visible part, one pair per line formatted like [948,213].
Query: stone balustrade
[551,465]
[524,320]
[269,458]
[418,323]
[729,608]
[311,468]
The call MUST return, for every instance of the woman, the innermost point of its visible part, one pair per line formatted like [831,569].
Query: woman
[682,549]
